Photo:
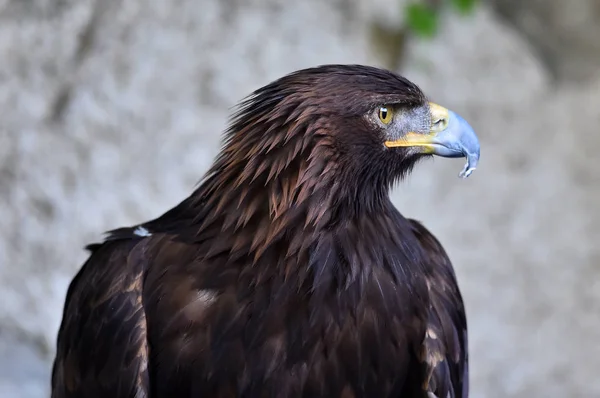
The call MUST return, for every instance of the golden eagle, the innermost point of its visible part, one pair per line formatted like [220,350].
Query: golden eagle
[287,272]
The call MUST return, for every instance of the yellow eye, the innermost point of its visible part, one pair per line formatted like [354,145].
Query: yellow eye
[385,115]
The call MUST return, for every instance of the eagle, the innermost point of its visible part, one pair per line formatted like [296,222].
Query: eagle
[287,272]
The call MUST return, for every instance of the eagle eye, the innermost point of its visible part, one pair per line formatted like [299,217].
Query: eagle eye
[385,114]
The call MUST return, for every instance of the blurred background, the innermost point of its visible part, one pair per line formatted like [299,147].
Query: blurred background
[112,110]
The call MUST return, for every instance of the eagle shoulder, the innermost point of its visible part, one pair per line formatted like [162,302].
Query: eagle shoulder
[102,348]
[445,344]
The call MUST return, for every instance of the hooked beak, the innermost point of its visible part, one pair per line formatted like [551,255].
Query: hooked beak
[450,136]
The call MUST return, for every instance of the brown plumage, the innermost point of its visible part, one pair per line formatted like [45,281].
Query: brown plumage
[287,272]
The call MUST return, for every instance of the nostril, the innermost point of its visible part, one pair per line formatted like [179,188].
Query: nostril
[440,122]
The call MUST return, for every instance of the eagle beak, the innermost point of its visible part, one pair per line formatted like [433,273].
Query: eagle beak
[450,136]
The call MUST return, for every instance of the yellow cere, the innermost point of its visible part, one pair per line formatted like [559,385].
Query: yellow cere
[439,117]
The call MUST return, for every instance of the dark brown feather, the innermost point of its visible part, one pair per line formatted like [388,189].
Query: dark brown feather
[287,273]
[446,343]
[102,346]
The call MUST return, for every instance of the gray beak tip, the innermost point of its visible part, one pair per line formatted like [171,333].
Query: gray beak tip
[466,171]
[468,143]
[470,166]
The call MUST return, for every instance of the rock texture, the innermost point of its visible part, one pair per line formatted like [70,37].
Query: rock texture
[564,34]
[112,110]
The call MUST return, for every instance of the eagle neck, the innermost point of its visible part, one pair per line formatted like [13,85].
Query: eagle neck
[286,204]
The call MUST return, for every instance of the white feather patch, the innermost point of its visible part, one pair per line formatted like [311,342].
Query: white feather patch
[141,231]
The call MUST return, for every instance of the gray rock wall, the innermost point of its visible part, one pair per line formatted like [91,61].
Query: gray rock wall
[112,110]
[564,34]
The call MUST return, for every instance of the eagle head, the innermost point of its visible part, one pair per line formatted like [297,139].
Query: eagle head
[341,134]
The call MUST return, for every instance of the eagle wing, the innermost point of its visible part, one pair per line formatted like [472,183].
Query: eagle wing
[102,349]
[445,347]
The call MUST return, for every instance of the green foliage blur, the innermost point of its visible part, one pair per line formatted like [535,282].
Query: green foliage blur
[422,16]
